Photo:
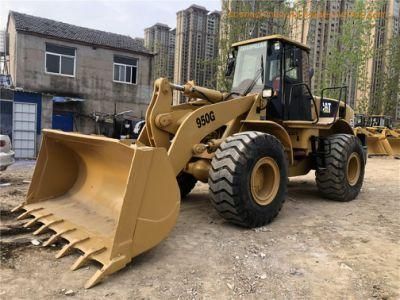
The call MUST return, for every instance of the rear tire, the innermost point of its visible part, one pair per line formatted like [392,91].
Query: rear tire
[186,183]
[248,178]
[343,176]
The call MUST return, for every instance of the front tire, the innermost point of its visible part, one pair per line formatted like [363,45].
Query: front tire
[343,174]
[248,179]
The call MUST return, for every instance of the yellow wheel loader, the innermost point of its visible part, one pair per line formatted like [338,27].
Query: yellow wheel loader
[113,201]
[373,135]
[383,125]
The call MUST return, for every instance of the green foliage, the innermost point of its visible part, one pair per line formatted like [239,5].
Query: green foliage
[349,52]
[391,81]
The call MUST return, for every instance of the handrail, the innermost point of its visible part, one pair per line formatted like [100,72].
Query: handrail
[340,99]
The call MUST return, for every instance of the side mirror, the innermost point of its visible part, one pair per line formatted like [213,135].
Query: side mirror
[267,93]
[230,65]
[310,73]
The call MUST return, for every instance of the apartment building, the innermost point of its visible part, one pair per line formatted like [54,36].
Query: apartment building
[160,40]
[195,30]
[171,53]
[211,48]
[318,24]
[385,30]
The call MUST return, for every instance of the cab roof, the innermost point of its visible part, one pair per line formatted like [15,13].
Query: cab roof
[380,116]
[272,37]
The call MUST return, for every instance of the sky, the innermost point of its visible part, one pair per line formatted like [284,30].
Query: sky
[129,17]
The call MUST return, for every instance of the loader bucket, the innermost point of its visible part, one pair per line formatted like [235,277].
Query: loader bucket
[378,145]
[394,143]
[107,199]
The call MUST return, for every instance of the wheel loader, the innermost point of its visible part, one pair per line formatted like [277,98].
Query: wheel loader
[373,136]
[384,125]
[380,136]
[113,201]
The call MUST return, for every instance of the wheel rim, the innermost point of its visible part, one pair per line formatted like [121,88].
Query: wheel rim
[353,168]
[265,180]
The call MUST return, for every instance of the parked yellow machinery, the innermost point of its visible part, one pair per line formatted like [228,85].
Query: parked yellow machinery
[393,137]
[384,125]
[113,201]
[376,136]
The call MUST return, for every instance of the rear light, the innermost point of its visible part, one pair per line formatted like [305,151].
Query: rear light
[2,143]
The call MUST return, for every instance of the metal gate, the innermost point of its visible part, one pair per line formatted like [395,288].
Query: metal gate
[24,130]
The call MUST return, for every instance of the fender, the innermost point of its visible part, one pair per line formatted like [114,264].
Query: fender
[341,126]
[274,129]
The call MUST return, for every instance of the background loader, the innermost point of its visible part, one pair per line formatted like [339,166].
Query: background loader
[381,137]
[384,125]
[113,201]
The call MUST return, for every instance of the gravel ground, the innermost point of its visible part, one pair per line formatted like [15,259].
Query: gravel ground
[315,249]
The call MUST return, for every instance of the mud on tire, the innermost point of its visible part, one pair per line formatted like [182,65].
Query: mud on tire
[230,178]
[339,179]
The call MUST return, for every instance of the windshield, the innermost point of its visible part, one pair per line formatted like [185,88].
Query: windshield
[359,120]
[376,121]
[248,66]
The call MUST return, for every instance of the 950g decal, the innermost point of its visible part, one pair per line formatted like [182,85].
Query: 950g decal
[205,119]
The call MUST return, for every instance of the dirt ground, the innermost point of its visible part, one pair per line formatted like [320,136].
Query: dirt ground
[315,249]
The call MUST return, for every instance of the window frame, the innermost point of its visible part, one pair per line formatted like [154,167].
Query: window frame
[127,65]
[60,61]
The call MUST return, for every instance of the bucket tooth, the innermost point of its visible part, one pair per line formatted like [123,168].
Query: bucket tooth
[82,260]
[56,236]
[46,226]
[33,221]
[17,208]
[111,267]
[24,215]
[67,248]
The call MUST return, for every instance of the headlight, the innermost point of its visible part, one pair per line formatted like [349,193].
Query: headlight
[267,93]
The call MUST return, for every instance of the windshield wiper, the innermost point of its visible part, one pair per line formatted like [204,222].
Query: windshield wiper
[259,73]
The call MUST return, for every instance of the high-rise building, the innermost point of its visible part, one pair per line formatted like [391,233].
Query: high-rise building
[383,33]
[160,39]
[318,24]
[299,20]
[322,38]
[211,51]
[171,54]
[195,29]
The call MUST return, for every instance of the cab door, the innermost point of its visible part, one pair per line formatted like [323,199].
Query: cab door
[296,96]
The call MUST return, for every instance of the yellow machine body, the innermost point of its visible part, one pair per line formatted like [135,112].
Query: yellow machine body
[113,201]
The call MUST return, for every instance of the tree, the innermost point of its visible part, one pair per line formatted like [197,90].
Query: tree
[349,53]
[391,85]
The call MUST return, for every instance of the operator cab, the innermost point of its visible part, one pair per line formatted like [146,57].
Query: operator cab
[278,68]
[380,121]
[359,120]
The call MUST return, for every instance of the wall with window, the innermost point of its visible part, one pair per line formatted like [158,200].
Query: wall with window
[100,76]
